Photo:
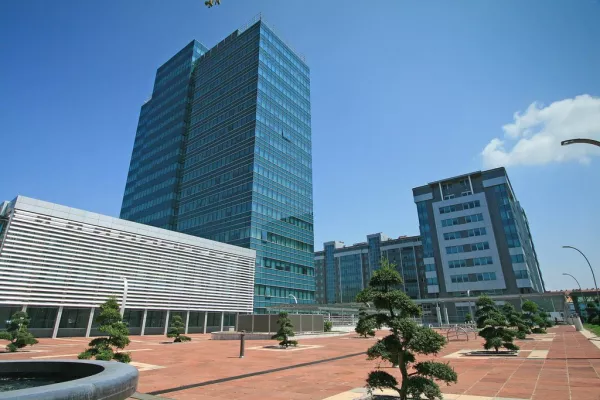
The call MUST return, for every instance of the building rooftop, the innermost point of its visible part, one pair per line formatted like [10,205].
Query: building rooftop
[74,214]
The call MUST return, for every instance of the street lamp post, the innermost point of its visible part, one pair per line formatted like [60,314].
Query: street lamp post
[585,141]
[470,309]
[564,273]
[591,269]
[124,300]
[295,300]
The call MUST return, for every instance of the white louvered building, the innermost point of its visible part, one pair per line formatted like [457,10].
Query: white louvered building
[60,263]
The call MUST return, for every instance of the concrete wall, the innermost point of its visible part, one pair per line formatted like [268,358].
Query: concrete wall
[268,323]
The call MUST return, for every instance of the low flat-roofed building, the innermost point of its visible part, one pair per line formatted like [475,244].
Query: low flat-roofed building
[60,263]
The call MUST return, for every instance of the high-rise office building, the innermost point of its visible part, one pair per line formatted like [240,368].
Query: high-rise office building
[223,151]
[343,271]
[476,237]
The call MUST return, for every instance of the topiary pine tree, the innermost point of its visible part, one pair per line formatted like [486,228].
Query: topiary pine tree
[515,320]
[468,318]
[406,339]
[111,323]
[535,318]
[366,324]
[16,332]
[591,309]
[177,329]
[493,325]
[285,331]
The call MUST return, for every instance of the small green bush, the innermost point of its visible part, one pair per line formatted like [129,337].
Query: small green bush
[16,332]
[595,320]
[286,330]
[111,323]
[327,326]
[177,329]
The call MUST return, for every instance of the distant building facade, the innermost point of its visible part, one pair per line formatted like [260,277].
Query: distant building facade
[223,151]
[476,237]
[60,263]
[341,272]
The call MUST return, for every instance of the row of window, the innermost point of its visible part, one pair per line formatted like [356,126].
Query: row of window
[210,63]
[178,116]
[298,82]
[461,206]
[164,96]
[293,61]
[463,234]
[425,229]
[205,126]
[277,142]
[479,277]
[132,178]
[143,193]
[223,72]
[140,156]
[161,101]
[465,248]
[195,157]
[287,203]
[286,100]
[221,214]
[226,101]
[147,204]
[191,174]
[283,49]
[172,156]
[517,258]
[288,242]
[151,119]
[304,173]
[164,78]
[144,141]
[303,190]
[276,121]
[432,281]
[221,112]
[301,125]
[206,141]
[217,197]
[521,274]
[462,220]
[275,214]
[470,262]
[283,73]
[202,186]
[290,267]
[269,291]
[218,83]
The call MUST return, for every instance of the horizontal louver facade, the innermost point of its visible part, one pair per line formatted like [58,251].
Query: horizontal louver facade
[52,255]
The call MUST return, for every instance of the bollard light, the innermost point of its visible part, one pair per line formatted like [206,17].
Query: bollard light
[242,343]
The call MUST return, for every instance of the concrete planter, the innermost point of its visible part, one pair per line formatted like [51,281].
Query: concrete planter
[237,336]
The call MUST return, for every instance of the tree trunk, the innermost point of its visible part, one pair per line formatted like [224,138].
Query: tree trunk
[404,372]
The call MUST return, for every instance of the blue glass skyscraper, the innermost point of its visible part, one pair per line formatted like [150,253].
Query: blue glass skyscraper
[223,151]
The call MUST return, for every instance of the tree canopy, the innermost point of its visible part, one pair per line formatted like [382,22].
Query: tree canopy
[111,323]
[494,326]
[16,332]
[406,339]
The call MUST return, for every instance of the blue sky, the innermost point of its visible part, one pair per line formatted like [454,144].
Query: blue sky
[403,93]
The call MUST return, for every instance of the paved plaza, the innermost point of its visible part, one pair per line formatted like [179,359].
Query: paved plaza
[561,365]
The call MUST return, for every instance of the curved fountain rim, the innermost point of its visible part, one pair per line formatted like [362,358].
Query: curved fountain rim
[115,381]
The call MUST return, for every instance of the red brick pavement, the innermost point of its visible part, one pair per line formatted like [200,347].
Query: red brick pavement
[570,371]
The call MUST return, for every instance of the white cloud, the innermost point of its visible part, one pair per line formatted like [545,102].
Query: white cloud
[534,137]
